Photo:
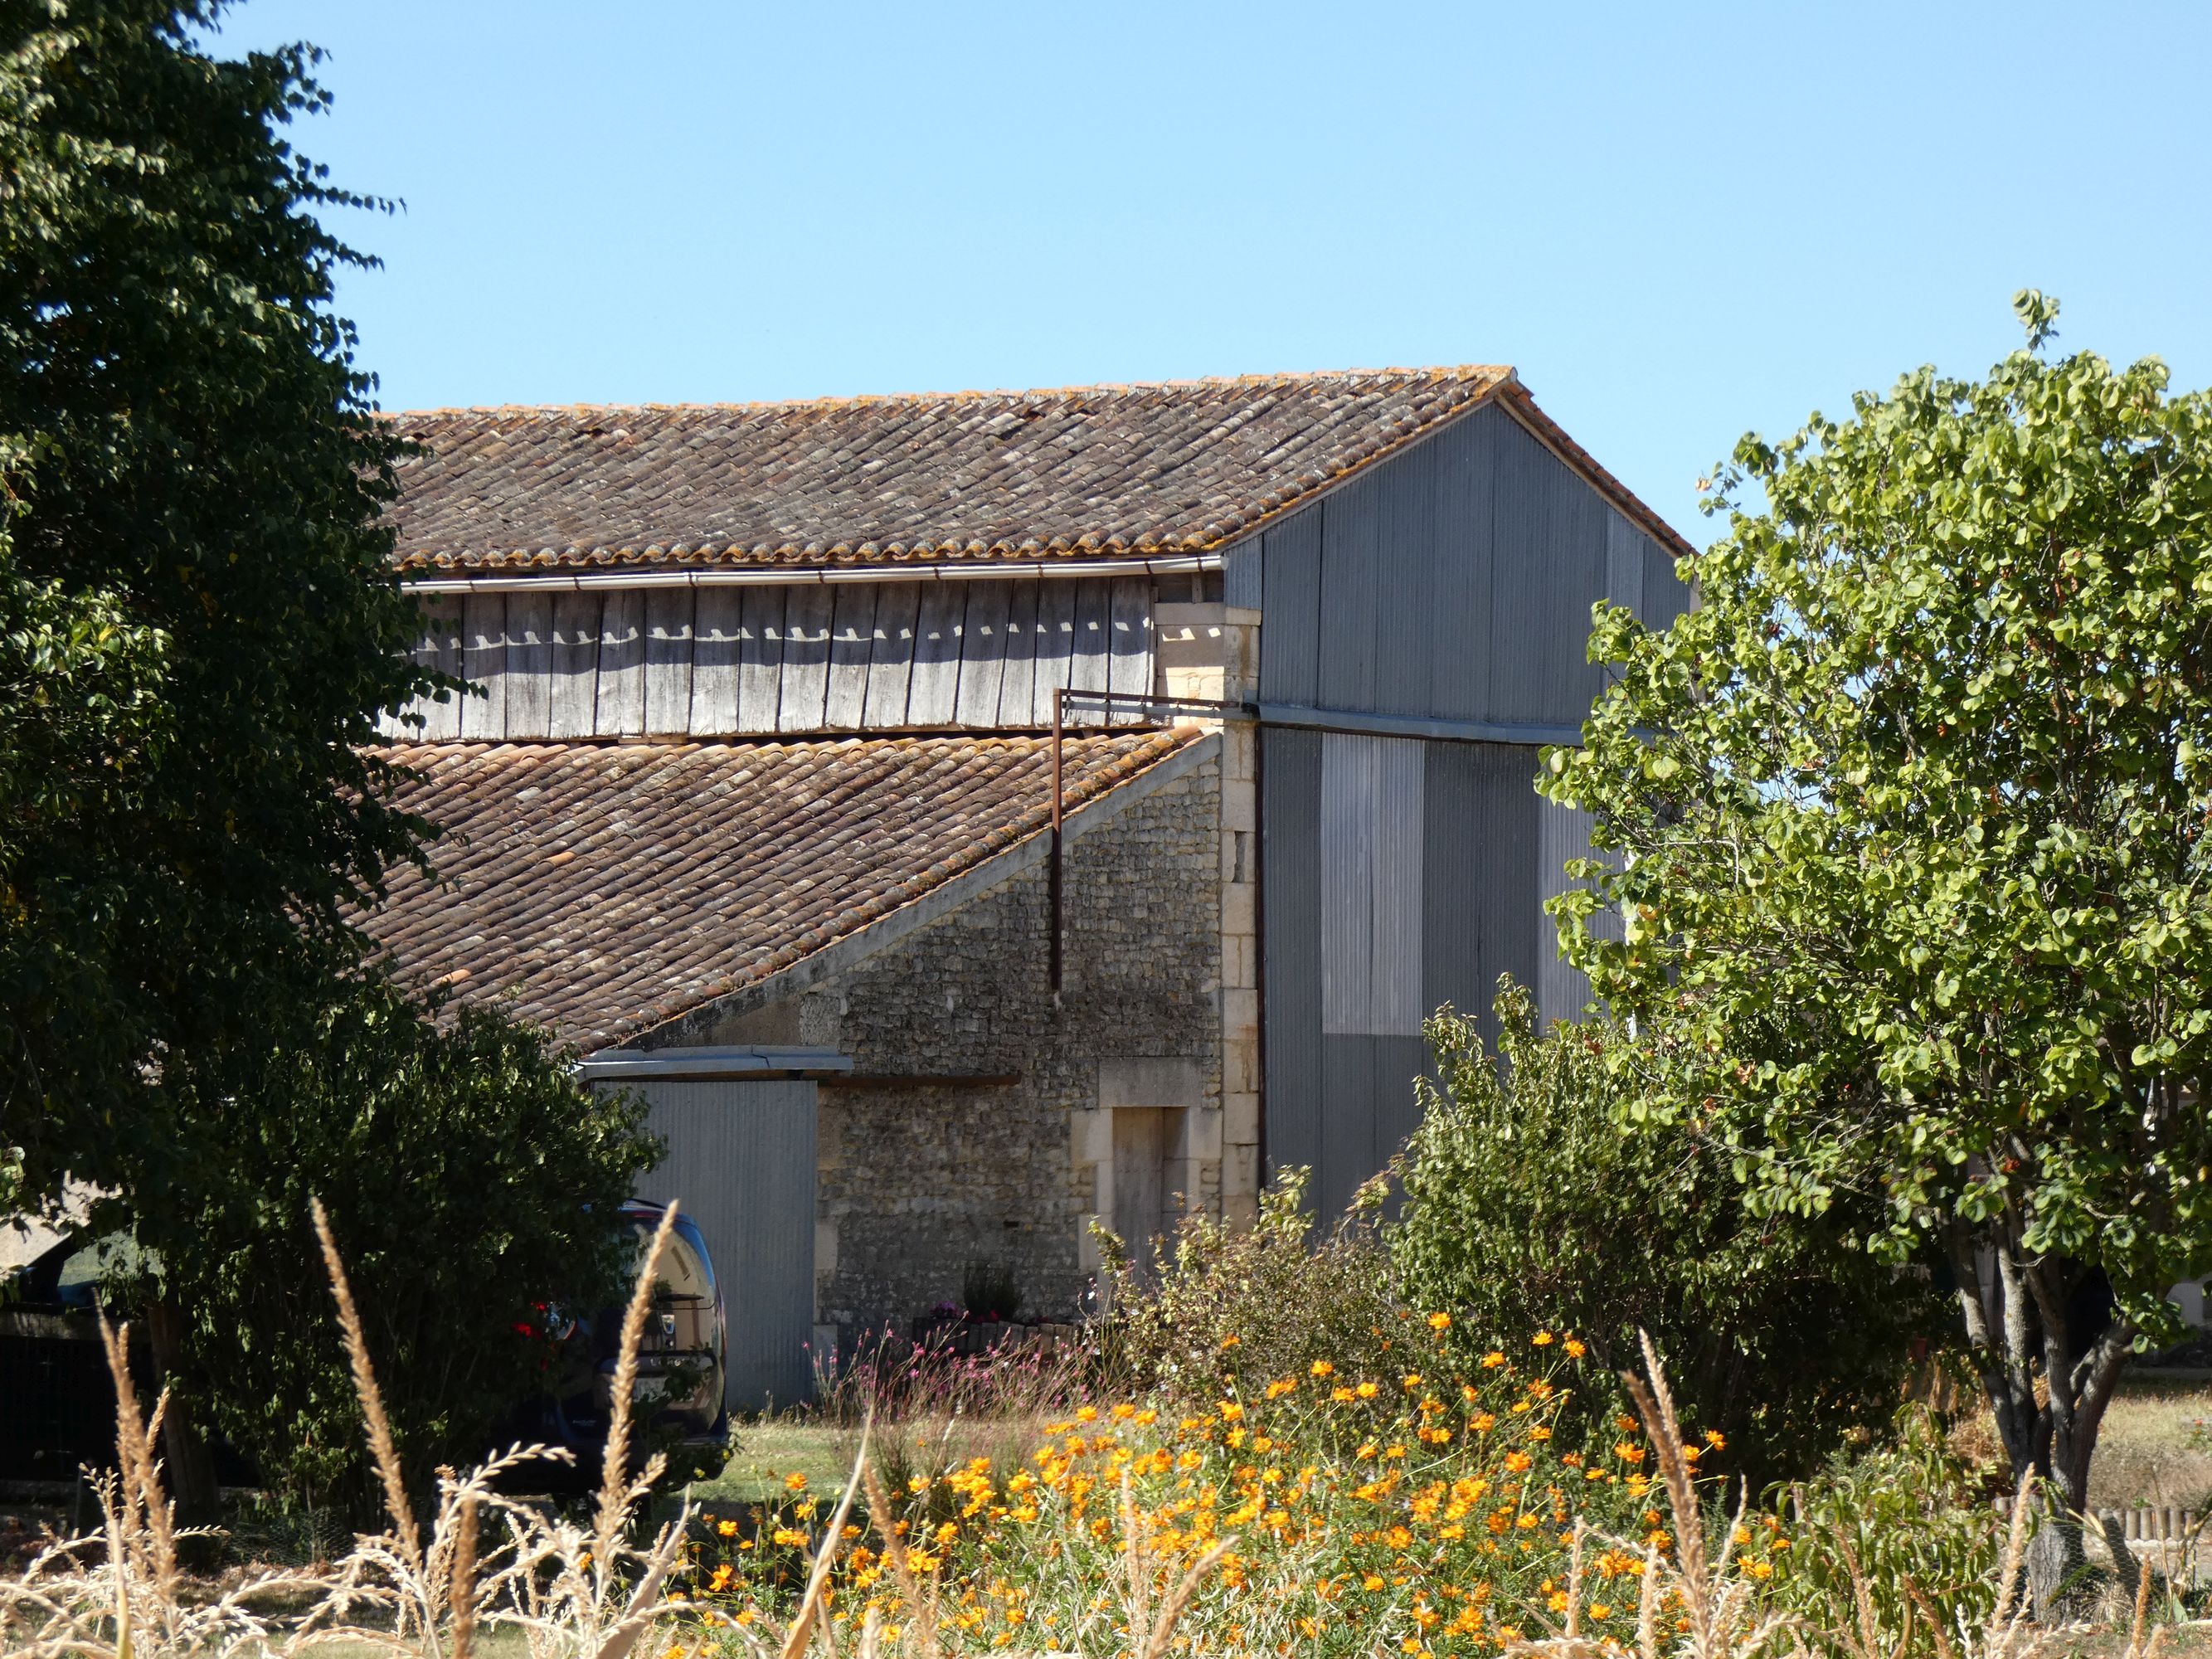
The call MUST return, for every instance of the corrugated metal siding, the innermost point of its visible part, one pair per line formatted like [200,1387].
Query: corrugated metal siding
[1241,588]
[1564,835]
[741,1161]
[1458,624]
[1290,633]
[1347,1122]
[1353,592]
[1289,892]
[1626,551]
[1371,821]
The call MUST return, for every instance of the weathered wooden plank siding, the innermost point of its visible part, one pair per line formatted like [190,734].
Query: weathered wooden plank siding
[851,648]
[669,645]
[621,712]
[576,690]
[737,661]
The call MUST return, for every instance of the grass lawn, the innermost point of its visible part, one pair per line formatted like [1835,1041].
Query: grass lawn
[769,1450]
[2149,1451]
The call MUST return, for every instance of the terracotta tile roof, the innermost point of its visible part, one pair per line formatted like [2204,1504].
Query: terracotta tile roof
[1176,467]
[603,889]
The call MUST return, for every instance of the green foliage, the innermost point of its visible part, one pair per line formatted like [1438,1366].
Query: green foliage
[197,600]
[1900,1536]
[80,704]
[1910,817]
[1529,1204]
[1223,1302]
[470,1183]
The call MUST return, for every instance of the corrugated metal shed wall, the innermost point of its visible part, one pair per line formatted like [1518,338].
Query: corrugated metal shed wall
[740,1161]
[1453,582]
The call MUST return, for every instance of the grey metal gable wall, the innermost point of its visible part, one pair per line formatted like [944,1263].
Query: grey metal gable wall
[1452,582]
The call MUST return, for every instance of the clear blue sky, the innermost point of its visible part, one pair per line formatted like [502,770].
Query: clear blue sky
[1679,220]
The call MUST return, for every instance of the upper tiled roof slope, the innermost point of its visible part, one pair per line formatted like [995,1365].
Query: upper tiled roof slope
[1176,467]
[609,888]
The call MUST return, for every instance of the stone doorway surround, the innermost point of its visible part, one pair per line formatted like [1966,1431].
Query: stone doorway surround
[1147,1153]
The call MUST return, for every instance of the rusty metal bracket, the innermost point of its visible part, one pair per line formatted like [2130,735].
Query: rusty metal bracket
[1145,706]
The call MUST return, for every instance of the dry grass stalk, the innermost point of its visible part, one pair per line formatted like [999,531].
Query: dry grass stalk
[463,1594]
[382,1447]
[812,1606]
[919,1600]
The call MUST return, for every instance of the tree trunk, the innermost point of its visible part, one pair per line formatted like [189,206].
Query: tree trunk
[189,1464]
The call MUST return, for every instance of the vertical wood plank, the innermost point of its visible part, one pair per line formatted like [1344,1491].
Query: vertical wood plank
[1055,657]
[528,666]
[621,712]
[806,618]
[574,698]
[852,647]
[890,663]
[715,626]
[1129,643]
[932,696]
[484,655]
[1088,661]
[668,617]
[982,655]
[1018,685]
[760,658]
[441,649]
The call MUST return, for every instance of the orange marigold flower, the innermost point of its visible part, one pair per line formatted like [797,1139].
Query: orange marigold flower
[1411,1379]
[1366,1391]
[795,1481]
[1542,1338]
[1575,1351]
[1322,1367]
[1341,1393]
[1439,1321]
[1518,1461]
[727,1528]
[1230,1410]
[1280,1386]
[1715,1440]
[1493,1360]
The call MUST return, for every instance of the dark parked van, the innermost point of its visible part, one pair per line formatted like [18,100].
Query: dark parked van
[58,1406]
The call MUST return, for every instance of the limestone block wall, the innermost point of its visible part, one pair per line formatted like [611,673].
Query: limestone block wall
[980,1123]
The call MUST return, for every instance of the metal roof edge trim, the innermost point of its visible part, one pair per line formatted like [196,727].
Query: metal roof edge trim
[783,576]
[704,1064]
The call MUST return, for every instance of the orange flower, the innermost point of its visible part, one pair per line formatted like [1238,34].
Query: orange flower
[1542,1338]
[1322,1367]
[1439,1321]
[1493,1360]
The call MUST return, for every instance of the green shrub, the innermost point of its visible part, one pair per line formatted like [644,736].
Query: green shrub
[1529,1201]
[471,1183]
[1222,1302]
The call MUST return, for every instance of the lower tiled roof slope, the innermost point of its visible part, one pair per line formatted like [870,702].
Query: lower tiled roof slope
[601,889]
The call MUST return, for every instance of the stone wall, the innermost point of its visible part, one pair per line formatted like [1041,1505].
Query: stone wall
[919,1180]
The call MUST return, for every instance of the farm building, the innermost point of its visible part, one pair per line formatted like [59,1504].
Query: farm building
[755,800]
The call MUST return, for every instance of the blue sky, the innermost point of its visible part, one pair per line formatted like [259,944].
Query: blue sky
[1679,221]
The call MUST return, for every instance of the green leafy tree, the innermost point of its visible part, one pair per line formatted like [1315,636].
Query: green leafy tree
[1528,1203]
[1909,819]
[472,1185]
[195,467]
